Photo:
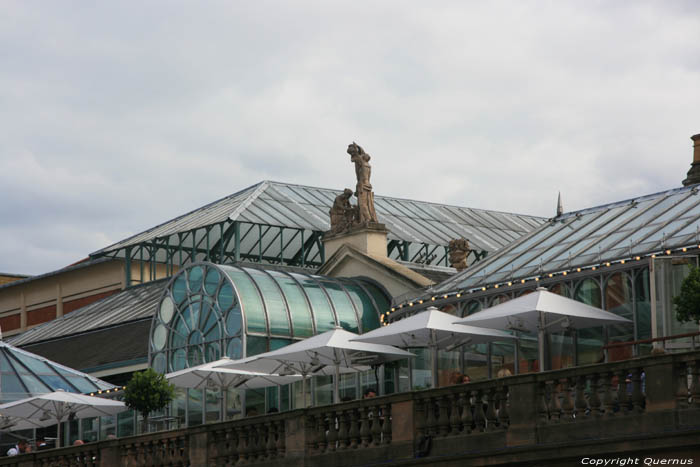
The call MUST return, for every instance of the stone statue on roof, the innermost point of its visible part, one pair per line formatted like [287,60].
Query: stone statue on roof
[363,190]
[459,250]
[343,214]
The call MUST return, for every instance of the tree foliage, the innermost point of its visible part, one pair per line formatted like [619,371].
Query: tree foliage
[148,391]
[688,302]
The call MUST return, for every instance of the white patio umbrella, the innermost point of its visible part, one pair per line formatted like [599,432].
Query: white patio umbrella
[534,313]
[433,329]
[60,406]
[212,376]
[331,352]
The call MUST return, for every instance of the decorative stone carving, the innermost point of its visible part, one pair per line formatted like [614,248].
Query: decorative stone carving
[459,250]
[363,190]
[343,214]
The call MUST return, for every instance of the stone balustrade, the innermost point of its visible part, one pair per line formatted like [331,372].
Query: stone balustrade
[647,404]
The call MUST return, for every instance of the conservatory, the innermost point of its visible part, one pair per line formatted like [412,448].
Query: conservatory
[628,257]
[208,311]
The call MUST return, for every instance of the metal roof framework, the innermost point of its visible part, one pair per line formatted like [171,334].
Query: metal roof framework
[279,223]
[627,230]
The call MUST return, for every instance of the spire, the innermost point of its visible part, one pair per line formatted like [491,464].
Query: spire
[560,206]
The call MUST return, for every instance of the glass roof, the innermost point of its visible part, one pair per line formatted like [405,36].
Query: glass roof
[302,207]
[626,229]
[208,311]
[24,374]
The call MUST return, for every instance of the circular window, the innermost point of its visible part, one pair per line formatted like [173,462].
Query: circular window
[160,335]
[195,319]
[167,308]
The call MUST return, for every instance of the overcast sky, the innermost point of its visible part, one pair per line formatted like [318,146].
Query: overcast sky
[117,116]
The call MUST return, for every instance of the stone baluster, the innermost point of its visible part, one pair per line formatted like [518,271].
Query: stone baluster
[479,417]
[580,404]
[638,402]
[622,391]
[311,444]
[271,442]
[182,450]
[254,443]
[431,422]
[386,424]
[455,414]
[321,432]
[608,395]
[421,422]
[594,398]
[243,445]
[682,386]
[491,416]
[354,429]
[280,445]
[443,421]
[543,406]
[503,415]
[466,405]
[365,432]
[343,430]
[332,431]
[231,442]
[568,402]
[555,410]
[375,425]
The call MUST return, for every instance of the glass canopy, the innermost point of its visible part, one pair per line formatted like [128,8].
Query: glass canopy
[208,311]
[626,229]
[24,374]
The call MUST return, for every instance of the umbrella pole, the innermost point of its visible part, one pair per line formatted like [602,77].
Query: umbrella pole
[58,436]
[434,357]
[303,390]
[540,339]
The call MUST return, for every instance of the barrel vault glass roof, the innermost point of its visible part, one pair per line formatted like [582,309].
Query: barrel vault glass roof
[303,207]
[626,229]
[211,310]
[23,374]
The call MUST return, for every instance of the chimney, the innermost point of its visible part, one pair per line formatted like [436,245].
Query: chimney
[694,172]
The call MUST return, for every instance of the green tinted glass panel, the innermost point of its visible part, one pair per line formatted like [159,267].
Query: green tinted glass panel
[178,360]
[54,382]
[274,302]
[343,306]
[83,384]
[251,301]
[379,297]
[255,345]
[369,316]
[211,281]
[5,364]
[180,288]
[298,306]
[225,296]
[12,389]
[159,363]
[233,321]
[279,343]
[177,339]
[35,365]
[212,352]
[194,275]
[194,356]
[323,313]
[235,348]
[195,338]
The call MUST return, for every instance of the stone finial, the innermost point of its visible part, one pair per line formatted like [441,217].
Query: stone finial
[694,172]
[459,250]
[560,206]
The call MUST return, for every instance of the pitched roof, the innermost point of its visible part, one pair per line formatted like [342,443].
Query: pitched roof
[132,304]
[622,230]
[305,207]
